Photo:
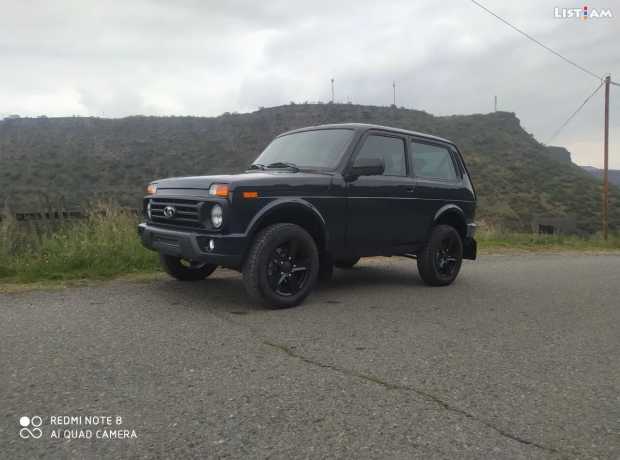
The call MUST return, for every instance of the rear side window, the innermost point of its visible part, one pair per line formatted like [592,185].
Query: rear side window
[432,162]
[390,149]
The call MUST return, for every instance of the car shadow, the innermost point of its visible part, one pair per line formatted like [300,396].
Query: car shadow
[372,276]
[224,290]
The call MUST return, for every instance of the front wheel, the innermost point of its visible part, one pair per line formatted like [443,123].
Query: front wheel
[282,266]
[440,260]
[185,270]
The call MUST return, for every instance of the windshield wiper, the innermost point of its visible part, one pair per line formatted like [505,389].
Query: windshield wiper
[256,166]
[283,164]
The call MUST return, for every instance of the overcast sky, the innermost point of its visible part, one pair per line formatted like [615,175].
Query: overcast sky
[198,57]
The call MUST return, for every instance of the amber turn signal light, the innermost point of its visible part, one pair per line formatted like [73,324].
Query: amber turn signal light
[250,194]
[220,190]
[151,189]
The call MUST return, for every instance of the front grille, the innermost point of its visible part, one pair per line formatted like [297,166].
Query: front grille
[186,212]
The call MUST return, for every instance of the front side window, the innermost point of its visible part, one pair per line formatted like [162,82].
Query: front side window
[390,149]
[322,148]
[432,162]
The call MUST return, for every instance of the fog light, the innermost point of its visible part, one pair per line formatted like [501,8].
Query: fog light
[211,245]
[217,216]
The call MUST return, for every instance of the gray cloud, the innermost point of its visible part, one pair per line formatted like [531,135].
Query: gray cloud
[197,57]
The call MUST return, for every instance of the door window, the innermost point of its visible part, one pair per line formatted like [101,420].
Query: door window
[390,149]
[432,162]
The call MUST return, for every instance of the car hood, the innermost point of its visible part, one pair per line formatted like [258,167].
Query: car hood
[254,179]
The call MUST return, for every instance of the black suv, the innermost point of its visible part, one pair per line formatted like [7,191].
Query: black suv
[318,197]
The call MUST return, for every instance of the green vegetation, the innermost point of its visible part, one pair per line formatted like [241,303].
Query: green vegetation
[490,241]
[106,245]
[65,162]
[103,246]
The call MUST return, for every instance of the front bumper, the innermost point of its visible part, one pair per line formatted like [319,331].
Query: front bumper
[228,250]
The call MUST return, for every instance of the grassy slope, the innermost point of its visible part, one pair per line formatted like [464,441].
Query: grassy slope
[51,162]
[103,246]
[491,242]
[54,161]
[107,246]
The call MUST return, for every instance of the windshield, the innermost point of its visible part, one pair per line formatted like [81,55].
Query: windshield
[320,149]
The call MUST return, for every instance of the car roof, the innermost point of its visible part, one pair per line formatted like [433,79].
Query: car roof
[366,127]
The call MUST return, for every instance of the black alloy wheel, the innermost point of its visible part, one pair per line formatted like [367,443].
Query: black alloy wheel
[288,268]
[282,266]
[440,261]
[447,255]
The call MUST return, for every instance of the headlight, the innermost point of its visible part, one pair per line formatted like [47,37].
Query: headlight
[217,216]
[148,210]
[151,189]
[220,190]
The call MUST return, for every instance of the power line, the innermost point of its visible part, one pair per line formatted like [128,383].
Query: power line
[575,112]
[525,34]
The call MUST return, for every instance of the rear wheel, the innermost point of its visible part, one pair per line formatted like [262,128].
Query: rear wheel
[185,270]
[282,266]
[347,263]
[440,260]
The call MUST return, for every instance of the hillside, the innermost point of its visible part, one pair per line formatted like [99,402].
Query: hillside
[65,161]
[614,174]
[558,154]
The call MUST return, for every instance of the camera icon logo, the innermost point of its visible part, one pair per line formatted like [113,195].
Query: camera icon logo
[30,427]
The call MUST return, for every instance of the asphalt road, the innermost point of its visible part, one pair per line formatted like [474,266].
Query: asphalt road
[520,358]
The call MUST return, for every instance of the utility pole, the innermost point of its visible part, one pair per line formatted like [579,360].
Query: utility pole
[606,161]
[495,105]
[394,86]
[332,90]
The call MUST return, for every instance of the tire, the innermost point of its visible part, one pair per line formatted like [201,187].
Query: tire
[185,270]
[282,266]
[440,261]
[347,263]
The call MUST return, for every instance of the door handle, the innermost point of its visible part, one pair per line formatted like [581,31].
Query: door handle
[410,188]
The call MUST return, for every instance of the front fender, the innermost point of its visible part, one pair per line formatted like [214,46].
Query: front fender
[292,208]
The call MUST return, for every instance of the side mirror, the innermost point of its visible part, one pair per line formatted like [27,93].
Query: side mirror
[366,167]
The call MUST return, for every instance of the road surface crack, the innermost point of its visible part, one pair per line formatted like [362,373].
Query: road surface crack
[390,386]
[424,394]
